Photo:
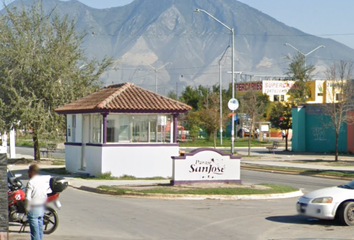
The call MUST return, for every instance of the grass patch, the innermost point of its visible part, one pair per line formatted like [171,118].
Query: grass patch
[59,171]
[118,191]
[58,163]
[129,177]
[27,143]
[301,171]
[204,191]
[105,176]
[226,143]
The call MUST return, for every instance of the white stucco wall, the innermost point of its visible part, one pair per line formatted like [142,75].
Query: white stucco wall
[72,158]
[94,160]
[138,161]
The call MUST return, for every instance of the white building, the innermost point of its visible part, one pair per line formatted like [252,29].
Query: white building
[276,90]
[122,129]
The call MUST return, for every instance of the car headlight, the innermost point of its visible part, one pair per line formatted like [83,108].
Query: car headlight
[323,200]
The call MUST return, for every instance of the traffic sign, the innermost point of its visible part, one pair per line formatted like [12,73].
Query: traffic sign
[233,104]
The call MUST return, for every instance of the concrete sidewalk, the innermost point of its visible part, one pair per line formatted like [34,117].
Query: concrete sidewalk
[299,165]
[79,183]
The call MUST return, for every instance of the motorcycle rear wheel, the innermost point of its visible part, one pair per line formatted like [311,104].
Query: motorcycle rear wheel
[50,220]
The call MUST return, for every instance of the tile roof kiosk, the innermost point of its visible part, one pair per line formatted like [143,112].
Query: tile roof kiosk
[122,129]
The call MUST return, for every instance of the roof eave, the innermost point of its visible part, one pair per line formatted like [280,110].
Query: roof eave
[86,111]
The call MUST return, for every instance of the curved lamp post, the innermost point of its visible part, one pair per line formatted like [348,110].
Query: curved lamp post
[232,30]
[304,54]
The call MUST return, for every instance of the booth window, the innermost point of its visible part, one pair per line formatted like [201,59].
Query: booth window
[282,98]
[110,131]
[137,128]
[96,128]
[276,98]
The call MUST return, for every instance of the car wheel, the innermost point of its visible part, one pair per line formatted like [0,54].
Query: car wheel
[346,214]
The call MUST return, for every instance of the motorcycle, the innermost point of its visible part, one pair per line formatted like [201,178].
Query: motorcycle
[16,202]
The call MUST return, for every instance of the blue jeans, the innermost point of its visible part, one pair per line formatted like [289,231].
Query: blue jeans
[35,220]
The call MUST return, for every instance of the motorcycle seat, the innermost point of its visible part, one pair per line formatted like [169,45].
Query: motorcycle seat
[51,194]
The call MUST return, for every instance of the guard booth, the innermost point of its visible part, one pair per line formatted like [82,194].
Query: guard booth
[122,129]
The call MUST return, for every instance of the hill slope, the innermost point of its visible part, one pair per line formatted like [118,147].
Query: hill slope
[157,32]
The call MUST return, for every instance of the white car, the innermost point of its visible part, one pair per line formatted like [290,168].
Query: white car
[329,203]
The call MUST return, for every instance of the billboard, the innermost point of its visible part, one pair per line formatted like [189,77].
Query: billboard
[244,87]
[277,87]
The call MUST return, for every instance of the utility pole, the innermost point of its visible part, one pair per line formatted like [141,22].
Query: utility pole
[208,97]
[220,86]
[156,71]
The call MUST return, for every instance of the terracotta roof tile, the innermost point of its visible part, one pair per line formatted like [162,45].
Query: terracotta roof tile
[124,97]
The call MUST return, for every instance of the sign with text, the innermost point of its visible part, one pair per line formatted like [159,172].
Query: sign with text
[277,87]
[206,165]
[244,87]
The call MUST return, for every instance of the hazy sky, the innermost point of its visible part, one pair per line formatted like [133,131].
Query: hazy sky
[325,18]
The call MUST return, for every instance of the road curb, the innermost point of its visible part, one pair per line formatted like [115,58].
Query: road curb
[256,167]
[194,197]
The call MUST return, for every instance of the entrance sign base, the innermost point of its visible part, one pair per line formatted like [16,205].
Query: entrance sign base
[206,165]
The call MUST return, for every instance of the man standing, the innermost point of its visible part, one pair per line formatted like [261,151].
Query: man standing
[282,135]
[36,197]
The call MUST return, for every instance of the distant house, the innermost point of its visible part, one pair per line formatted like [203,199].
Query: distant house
[122,129]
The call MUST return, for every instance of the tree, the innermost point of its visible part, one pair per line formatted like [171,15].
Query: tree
[193,122]
[192,96]
[340,94]
[254,105]
[210,116]
[301,73]
[172,95]
[280,117]
[42,66]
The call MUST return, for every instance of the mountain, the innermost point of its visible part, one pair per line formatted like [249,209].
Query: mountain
[159,32]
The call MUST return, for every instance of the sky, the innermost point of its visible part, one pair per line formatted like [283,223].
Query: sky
[325,18]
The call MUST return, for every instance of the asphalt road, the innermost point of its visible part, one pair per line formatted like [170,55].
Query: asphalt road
[88,216]
[29,151]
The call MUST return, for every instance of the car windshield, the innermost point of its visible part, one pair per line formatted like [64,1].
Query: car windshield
[349,185]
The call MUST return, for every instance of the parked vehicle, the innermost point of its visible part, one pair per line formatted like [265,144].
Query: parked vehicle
[16,202]
[329,203]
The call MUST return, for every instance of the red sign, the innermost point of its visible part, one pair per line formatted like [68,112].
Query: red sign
[244,87]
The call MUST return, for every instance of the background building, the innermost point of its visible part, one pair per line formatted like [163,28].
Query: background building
[313,131]
[276,90]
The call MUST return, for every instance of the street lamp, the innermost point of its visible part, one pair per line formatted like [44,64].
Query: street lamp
[156,70]
[232,30]
[220,86]
[303,54]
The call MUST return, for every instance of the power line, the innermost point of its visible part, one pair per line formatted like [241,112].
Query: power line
[198,34]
